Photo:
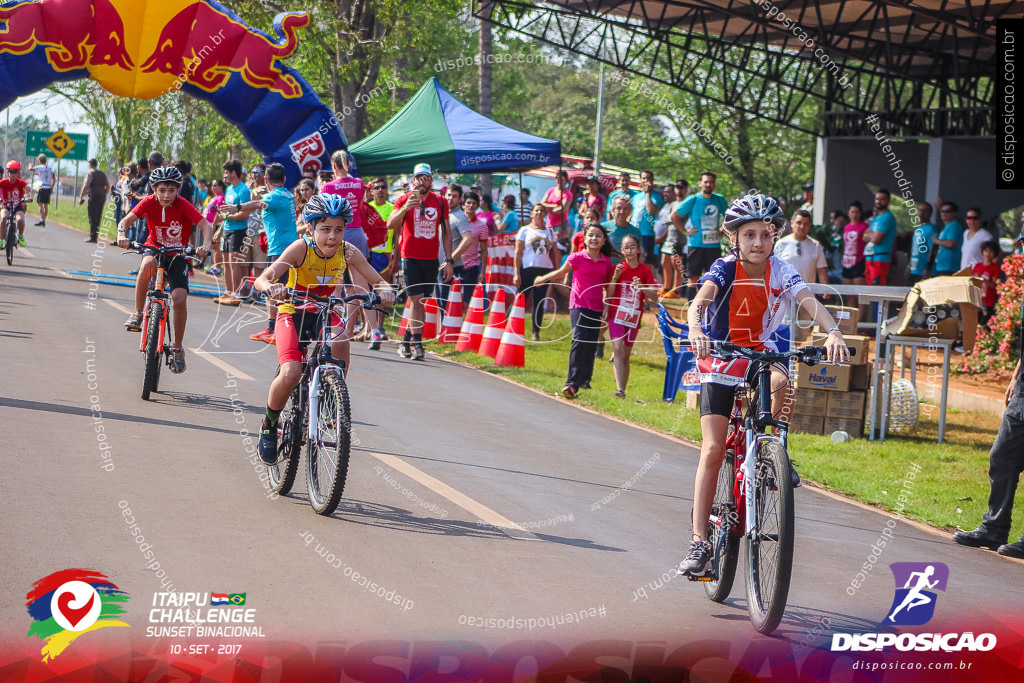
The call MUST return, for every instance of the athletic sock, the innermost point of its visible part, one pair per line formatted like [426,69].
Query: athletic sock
[407,337]
[270,324]
[417,339]
[272,416]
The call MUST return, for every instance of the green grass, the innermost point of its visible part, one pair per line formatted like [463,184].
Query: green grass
[950,490]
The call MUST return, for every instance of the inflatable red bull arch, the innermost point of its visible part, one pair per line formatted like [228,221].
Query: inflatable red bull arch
[143,49]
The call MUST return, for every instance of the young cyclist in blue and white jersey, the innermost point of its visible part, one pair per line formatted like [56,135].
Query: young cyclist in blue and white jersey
[277,209]
[316,263]
[742,299]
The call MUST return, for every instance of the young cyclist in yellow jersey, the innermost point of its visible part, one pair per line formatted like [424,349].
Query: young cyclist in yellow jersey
[316,264]
[743,299]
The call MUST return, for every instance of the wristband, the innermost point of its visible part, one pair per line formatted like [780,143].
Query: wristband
[450,260]
[238,207]
[833,329]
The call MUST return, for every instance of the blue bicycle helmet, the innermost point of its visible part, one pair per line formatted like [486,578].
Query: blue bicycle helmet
[754,207]
[323,206]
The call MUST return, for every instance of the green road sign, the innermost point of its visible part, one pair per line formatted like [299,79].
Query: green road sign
[70,146]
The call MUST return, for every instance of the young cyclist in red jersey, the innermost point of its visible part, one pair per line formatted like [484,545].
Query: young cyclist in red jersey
[315,263]
[12,188]
[170,220]
[743,299]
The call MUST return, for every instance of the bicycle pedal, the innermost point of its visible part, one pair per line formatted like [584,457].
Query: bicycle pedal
[706,577]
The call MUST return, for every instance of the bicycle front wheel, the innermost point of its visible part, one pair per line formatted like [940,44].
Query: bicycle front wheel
[10,243]
[327,454]
[770,550]
[725,546]
[290,434]
[152,376]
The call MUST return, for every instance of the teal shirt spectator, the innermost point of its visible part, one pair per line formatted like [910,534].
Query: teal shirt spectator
[279,220]
[512,221]
[616,233]
[641,219]
[236,194]
[705,214]
[611,199]
[884,223]
[948,260]
[921,248]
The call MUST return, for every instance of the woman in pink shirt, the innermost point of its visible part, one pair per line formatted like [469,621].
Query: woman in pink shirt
[853,249]
[351,189]
[214,218]
[591,272]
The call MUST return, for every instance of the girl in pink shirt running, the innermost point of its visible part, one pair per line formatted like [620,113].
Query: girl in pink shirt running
[591,271]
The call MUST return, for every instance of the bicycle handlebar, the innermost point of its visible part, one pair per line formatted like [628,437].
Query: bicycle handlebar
[731,351]
[370,300]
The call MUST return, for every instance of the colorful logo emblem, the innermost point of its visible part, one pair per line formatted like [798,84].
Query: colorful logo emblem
[916,583]
[307,152]
[69,603]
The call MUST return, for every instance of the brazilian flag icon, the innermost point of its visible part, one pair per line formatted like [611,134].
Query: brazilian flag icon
[237,598]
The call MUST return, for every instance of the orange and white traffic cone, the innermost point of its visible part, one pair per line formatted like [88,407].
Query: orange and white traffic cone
[429,319]
[405,320]
[473,326]
[496,321]
[452,323]
[512,351]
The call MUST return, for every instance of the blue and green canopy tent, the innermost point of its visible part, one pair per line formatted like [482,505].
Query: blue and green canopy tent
[436,129]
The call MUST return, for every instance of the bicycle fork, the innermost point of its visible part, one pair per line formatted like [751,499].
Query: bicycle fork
[749,490]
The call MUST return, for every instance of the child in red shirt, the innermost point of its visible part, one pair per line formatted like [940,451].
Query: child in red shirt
[630,279]
[990,272]
[12,189]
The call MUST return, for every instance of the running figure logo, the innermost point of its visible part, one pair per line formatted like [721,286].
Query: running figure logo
[914,602]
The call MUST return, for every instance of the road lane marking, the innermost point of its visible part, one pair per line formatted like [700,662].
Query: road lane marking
[238,374]
[117,306]
[482,512]
[26,252]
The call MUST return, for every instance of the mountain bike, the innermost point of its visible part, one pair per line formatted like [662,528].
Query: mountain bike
[157,314]
[318,413]
[754,495]
[11,228]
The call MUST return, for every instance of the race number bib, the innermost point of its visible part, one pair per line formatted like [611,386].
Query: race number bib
[627,313]
[709,234]
[717,371]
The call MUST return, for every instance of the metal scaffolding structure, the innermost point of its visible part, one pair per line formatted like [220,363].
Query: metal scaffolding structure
[925,66]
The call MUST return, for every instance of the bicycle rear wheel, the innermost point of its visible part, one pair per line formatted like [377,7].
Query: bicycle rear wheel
[770,551]
[327,455]
[290,434]
[152,376]
[725,545]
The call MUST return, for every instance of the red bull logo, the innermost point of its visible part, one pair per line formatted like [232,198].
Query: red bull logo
[148,51]
[307,152]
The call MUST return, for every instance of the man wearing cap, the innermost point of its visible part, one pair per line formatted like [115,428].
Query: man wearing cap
[423,217]
[808,204]
[1005,464]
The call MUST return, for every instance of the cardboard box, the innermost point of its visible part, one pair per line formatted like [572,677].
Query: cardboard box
[823,376]
[860,377]
[854,428]
[849,404]
[807,424]
[810,401]
[846,318]
[959,289]
[857,342]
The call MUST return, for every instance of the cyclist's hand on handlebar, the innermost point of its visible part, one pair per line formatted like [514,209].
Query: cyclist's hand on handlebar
[202,252]
[700,343]
[277,291]
[836,347]
[386,294]
[122,241]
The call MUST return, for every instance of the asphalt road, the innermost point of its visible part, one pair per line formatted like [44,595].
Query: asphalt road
[469,498]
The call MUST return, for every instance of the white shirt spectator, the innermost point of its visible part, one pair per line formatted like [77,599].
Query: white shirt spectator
[971,251]
[806,256]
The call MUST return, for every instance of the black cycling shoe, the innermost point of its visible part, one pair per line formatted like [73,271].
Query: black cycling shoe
[1013,549]
[268,444]
[797,483]
[404,350]
[418,353]
[979,538]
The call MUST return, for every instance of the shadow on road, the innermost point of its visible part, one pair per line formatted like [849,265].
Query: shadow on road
[399,519]
[119,417]
[803,626]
